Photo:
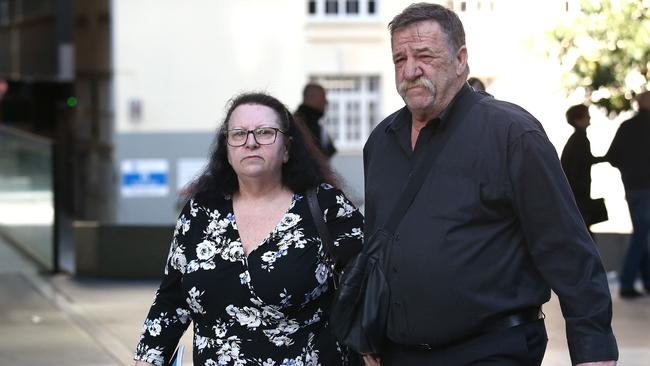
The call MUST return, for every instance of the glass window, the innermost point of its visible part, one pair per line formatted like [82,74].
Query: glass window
[342,9]
[372,6]
[353,108]
[352,6]
[353,122]
[372,117]
[332,119]
[331,6]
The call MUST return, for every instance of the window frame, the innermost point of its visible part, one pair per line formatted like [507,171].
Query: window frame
[341,14]
[337,120]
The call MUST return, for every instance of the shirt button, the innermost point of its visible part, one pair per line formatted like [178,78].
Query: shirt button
[397,237]
[395,269]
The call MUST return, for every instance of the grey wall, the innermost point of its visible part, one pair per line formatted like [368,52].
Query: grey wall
[168,146]
[175,146]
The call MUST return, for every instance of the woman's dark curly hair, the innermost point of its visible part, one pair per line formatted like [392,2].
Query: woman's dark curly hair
[306,167]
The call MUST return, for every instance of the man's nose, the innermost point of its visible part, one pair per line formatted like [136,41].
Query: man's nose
[412,70]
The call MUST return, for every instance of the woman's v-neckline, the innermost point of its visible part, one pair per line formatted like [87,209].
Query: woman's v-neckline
[292,203]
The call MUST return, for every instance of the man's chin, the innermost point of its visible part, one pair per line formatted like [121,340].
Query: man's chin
[418,105]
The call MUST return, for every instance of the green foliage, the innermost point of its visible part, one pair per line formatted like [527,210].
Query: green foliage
[606,51]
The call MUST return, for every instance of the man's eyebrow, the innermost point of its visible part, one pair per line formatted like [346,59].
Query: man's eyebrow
[424,49]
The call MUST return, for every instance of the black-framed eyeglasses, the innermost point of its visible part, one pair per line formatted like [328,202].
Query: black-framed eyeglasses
[262,135]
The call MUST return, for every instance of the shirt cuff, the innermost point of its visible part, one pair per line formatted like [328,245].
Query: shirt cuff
[592,348]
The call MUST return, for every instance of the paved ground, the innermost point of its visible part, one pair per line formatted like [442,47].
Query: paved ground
[63,320]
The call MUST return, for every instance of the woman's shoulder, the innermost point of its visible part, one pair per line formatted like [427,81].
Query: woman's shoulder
[334,202]
[206,202]
[327,192]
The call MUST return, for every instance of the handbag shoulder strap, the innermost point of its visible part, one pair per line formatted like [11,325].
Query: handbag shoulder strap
[321,227]
[427,161]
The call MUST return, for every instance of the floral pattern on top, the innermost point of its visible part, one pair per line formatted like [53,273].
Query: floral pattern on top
[269,308]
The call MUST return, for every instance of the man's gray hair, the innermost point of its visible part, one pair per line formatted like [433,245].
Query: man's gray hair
[446,18]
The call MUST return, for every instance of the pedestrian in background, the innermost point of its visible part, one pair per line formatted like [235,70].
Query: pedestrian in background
[476,83]
[246,263]
[494,226]
[577,161]
[630,153]
[310,112]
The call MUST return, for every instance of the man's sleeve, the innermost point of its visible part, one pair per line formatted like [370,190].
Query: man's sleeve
[560,246]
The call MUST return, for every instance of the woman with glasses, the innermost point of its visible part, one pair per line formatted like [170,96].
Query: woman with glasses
[246,263]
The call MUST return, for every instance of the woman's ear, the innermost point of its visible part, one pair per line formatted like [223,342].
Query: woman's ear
[285,158]
[287,146]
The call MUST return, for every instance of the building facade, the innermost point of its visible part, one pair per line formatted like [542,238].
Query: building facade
[152,79]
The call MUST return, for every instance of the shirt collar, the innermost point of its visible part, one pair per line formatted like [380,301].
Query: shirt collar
[403,117]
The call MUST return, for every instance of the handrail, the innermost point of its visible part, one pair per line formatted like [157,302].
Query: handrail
[25,135]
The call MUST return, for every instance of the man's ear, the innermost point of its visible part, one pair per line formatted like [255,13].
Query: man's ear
[461,60]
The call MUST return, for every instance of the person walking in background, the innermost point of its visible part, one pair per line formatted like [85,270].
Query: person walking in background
[246,263]
[492,230]
[310,112]
[577,161]
[630,153]
[476,83]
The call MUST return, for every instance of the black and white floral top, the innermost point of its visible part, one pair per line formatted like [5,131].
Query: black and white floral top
[267,309]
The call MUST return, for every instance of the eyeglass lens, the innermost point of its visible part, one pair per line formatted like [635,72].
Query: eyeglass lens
[262,135]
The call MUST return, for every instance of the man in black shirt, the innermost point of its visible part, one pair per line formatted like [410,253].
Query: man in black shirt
[493,228]
[310,112]
[630,153]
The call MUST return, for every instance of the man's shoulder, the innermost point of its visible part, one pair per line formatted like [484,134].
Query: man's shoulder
[634,121]
[506,116]
[382,126]
[378,135]
[627,128]
[389,119]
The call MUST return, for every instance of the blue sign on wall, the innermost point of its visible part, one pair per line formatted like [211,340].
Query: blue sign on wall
[144,178]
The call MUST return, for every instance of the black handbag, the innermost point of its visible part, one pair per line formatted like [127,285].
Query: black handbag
[597,211]
[359,312]
[364,263]
[360,307]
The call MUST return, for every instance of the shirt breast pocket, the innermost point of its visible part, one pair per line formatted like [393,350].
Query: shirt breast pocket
[451,194]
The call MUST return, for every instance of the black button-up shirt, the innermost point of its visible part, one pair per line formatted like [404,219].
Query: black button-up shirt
[492,230]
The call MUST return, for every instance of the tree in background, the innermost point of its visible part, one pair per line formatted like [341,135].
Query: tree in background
[606,52]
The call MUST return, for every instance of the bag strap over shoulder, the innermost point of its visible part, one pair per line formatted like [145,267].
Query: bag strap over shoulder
[426,163]
[321,227]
